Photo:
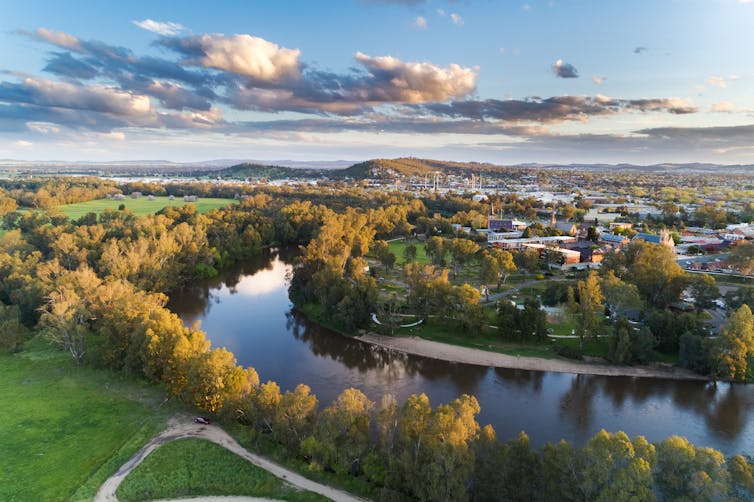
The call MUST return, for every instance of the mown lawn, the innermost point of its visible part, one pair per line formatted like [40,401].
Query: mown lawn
[397,248]
[195,467]
[65,429]
[140,206]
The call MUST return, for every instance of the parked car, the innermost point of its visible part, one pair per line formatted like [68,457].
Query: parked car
[202,420]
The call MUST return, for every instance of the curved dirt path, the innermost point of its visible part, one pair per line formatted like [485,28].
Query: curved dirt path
[455,353]
[183,426]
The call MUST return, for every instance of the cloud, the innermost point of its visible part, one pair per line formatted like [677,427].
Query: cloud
[640,50]
[160,28]
[23,143]
[722,107]
[555,109]
[420,22]
[246,55]
[49,93]
[717,82]
[43,127]
[456,18]
[598,79]
[564,70]
[58,38]
[393,80]
[63,64]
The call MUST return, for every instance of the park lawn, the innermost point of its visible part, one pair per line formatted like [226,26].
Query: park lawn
[397,247]
[140,206]
[195,467]
[488,339]
[65,429]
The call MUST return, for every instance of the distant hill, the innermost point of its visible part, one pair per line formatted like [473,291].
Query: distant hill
[410,166]
[253,171]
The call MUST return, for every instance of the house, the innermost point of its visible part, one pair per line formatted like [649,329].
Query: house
[614,239]
[190,198]
[497,225]
[567,228]
[663,239]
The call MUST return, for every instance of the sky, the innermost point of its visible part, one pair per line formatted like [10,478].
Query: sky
[503,81]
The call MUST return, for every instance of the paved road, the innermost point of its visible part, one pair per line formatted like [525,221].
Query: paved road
[182,426]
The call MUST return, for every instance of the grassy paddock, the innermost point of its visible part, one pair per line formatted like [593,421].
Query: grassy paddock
[397,247]
[195,467]
[65,429]
[140,206]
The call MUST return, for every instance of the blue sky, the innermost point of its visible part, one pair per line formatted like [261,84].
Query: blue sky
[501,81]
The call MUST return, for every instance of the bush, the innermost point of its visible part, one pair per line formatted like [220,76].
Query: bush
[568,352]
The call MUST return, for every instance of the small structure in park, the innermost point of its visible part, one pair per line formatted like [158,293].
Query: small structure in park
[136,195]
[190,198]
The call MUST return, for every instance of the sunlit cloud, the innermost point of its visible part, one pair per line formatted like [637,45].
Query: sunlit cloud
[420,22]
[456,18]
[167,28]
[598,79]
[717,82]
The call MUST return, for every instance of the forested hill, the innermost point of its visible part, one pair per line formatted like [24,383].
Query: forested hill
[248,170]
[410,166]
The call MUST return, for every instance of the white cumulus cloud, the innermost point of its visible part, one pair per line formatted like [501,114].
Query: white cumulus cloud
[247,55]
[456,18]
[412,82]
[420,22]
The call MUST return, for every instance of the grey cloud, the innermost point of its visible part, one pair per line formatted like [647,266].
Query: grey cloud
[640,50]
[65,65]
[554,109]
[564,70]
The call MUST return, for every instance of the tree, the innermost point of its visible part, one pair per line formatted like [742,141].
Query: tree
[12,332]
[654,271]
[527,259]
[495,265]
[461,252]
[620,297]
[616,468]
[587,309]
[742,258]
[295,416]
[735,345]
[686,472]
[341,436]
[409,253]
[620,342]
[704,290]
[436,250]
[532,321]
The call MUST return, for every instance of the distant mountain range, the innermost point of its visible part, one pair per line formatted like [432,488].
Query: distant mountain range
[338,169]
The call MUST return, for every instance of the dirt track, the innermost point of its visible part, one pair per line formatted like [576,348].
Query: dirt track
[183,426]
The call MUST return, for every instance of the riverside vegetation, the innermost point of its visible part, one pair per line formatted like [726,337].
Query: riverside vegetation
[96,287]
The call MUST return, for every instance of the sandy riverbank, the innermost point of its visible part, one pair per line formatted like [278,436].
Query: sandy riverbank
[454,353]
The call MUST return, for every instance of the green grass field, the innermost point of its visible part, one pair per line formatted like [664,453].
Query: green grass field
[397,247]
[139,206]
[195,467]
[65,429]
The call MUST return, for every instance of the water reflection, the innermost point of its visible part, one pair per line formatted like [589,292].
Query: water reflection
[247,310]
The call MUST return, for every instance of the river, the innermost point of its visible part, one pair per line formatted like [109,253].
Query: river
[247,310]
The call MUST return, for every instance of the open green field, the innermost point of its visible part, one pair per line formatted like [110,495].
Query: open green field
[65,429]
[140,206]
[397,247]
[195,467]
